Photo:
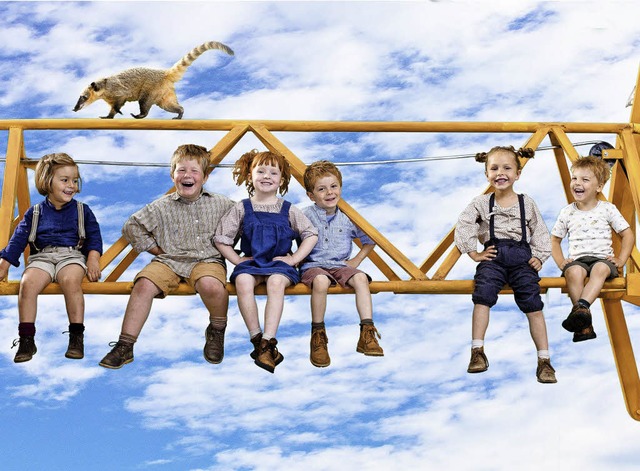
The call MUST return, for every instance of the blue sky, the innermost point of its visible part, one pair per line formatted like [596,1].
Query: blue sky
[388,61]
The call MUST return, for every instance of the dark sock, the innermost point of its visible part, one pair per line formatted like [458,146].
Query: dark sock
[218,323]
[366,322]
[26,329]
[76,328]
[128,339]
[317,326]
[584,302]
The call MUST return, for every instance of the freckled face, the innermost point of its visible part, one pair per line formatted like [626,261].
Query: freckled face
[64,185]
[326,193]
[266,179]
[189,178]
[502,171]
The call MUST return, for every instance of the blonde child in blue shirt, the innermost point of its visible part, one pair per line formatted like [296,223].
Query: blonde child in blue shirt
[330,262]
[66,245]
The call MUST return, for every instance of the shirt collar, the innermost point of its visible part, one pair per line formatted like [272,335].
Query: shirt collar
[176,197]
[321,212]
[49,204]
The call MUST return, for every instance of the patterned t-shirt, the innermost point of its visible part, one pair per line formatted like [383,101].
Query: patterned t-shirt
[589,231]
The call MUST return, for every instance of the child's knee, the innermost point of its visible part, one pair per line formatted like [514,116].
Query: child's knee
[321,284]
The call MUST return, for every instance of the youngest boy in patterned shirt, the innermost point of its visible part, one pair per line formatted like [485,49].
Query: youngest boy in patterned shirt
[588,223]
[178,229]
[329,262]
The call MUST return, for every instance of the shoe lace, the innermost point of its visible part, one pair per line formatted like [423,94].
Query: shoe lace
[15,343]
[319,339]
[371,332]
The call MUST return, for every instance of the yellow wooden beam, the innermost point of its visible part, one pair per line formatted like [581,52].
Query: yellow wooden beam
[10,184]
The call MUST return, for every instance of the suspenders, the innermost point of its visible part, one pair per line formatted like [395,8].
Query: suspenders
[523,223]
[36,217]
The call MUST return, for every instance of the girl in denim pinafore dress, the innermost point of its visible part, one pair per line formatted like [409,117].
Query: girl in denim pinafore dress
[267,226]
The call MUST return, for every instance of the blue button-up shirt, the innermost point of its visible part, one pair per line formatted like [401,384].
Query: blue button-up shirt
[56,228]
[335,239]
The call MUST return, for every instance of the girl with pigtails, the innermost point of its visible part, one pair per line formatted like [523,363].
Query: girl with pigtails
[515,243]
[267,226]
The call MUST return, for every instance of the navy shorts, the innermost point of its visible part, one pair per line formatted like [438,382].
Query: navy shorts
[511,266]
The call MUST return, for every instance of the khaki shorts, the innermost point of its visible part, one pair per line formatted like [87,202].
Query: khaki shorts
[167,280]
[588,262]
[54,259]
[340,275]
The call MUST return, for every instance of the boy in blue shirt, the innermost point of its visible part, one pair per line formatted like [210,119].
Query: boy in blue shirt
[329,262]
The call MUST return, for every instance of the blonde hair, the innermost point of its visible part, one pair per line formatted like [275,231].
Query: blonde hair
[249,160]
[523,152]
[191,152]
[47,166]
[317,170]
[599,167]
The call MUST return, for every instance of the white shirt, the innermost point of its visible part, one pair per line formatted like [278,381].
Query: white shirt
[589,231]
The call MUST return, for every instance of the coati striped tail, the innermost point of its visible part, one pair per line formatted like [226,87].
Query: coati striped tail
[177,70]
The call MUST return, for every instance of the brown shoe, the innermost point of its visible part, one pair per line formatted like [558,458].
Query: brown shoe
[120,355]
[319,355]
[214,345]
[26,348]
[367,343]
[586,334]
[75,351]
[255,340]
[268,356]
[545,372]
[478,362]
[578,319]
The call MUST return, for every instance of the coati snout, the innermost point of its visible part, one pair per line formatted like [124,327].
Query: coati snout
[146,86]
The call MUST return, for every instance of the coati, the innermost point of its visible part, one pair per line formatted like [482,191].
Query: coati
[146,86]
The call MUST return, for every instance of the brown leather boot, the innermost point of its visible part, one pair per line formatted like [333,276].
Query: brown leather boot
[367,343]
[26,348]
[214,345]
[319,355]
[75,350]
[268,355]
[120,354]
[478,362]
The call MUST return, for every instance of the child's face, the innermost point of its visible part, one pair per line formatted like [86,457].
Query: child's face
[584,185]
[502,171]
[326,193]
[64,185]
[266,179]
[189,178]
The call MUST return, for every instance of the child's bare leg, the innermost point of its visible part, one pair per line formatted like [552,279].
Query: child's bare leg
[214,295]
[139,306]
[575,276]
[32,283]
[480,321]
[479,324]
[69,279]
[245,286]
[319,289]
[360,284]
[599,273]
[275,304]
[538,330]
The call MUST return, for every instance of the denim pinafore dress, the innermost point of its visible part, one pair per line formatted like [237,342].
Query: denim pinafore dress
[265,236]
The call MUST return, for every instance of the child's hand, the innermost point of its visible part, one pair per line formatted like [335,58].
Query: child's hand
[564,263]
[616,261]
[488,254]
[352,263]
[93,271]
[288,259]
[535,263]
[4,271]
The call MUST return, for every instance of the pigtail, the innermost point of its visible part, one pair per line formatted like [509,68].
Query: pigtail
[242,170]
[525,152]
[482,157]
